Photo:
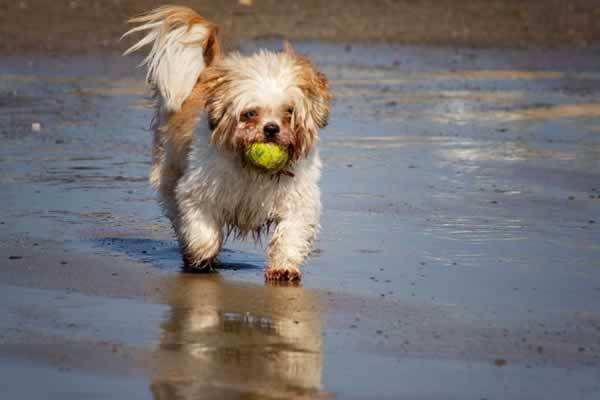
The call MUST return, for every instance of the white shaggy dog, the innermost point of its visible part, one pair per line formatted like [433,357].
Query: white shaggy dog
[206,188]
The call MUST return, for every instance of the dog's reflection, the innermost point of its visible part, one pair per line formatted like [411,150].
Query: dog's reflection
[227,341]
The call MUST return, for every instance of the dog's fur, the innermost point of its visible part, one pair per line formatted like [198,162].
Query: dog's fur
[205,187]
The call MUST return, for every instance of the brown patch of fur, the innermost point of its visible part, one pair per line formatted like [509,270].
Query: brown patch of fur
[212,46]
[181,123]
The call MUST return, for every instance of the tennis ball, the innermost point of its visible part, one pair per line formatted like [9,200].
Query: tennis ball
[269,157]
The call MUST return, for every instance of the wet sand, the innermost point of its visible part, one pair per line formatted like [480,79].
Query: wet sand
[458,256]
[90,26]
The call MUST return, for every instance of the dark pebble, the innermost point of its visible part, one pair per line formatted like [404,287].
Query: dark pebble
[15,257]
[540,349]
[64,262]
[571,197]
[499,362]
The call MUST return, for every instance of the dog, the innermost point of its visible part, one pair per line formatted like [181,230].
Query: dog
[209,108]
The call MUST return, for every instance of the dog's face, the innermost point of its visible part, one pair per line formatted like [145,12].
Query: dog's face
[267,97]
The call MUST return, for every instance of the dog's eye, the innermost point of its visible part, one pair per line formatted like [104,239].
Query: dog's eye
[249,114]
[290,110]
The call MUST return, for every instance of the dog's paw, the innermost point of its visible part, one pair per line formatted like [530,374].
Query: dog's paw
[194,267]
[283,273]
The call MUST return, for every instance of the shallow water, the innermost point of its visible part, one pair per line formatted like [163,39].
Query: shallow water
[458,256]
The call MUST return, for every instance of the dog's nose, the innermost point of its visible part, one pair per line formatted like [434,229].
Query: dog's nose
[271,130]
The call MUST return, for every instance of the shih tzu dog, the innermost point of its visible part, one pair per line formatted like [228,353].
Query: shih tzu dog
[208,109]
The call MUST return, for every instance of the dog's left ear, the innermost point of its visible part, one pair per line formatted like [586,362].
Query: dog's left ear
[215,83]
[314,86]
[320,99]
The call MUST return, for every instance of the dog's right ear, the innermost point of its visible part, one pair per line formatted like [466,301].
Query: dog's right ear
[183,45]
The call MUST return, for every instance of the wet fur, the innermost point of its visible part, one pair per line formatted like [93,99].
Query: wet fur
[208,108]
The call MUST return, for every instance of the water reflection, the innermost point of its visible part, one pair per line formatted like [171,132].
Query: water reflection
[237,341]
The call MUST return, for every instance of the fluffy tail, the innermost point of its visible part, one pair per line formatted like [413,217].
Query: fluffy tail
[183,44]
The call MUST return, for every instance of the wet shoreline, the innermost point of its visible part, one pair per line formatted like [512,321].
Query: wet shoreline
[461,218]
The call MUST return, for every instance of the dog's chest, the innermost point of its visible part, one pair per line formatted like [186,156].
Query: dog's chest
[240,198]
[250,204]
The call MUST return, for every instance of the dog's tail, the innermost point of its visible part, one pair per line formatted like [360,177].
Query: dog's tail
[183,44]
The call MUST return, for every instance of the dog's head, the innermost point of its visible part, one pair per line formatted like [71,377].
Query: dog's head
[267,97]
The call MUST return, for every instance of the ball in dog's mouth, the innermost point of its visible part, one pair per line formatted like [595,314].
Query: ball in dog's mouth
[267,157]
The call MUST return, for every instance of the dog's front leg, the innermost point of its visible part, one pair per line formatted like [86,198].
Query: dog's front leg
[200,235]
[291,243]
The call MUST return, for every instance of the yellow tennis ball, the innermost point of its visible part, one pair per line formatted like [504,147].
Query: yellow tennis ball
[269,157]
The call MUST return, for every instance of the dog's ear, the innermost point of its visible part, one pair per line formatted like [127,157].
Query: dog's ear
[313,106]
[320,99]
[215,83]
[315,88]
